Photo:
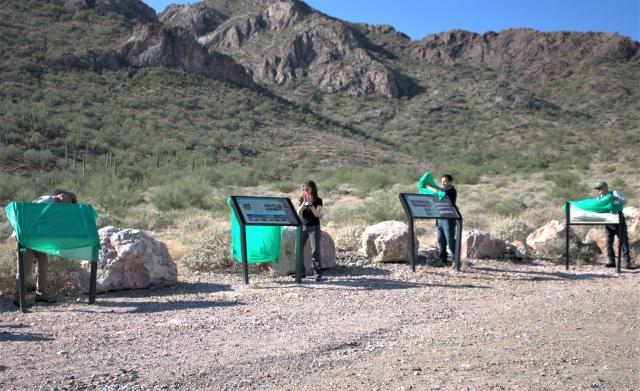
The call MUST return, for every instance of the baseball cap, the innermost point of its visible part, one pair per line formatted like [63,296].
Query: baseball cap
[600,185]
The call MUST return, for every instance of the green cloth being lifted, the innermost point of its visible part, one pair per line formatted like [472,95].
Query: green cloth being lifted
[606,204]
[64,230]
[427,179]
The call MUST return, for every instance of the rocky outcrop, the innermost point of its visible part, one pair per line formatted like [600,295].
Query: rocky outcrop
[197,19]
[286,262]
[482,245]
[92,61]
[388,241]
[157,45]
[525,50]
[129,259]
[550,232]
[302,44]
[133,10]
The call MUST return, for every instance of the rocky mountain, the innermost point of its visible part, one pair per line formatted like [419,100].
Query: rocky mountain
[279,75]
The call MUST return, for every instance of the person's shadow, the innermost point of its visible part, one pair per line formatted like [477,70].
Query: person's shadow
[10,336]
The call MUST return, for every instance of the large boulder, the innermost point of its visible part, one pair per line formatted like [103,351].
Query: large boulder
[387,242]
[548,233]
[129,259]
[632,218]
[287,261]
[478,245]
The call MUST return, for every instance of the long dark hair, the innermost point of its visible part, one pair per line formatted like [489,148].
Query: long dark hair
[314,190]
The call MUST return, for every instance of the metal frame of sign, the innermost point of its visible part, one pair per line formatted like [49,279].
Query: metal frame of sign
[568,222]
[237,209]
[21,279]
[410,217]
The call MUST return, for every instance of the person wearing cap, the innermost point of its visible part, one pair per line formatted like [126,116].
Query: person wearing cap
[58,196]
[611,230]
[445,229]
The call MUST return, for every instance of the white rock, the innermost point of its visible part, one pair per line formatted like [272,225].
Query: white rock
[388,241]
[478,245]
[129,259]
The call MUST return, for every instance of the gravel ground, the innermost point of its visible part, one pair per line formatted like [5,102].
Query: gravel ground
[493,326]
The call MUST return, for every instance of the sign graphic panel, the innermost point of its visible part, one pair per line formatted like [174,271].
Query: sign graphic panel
[580,216]
[266,210]
[425,206]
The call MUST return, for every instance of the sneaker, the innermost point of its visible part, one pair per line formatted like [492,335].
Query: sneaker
[318,277]
[626,265]
[610,263]
[294,276]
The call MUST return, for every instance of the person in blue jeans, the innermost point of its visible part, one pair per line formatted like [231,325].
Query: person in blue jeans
[310,209]
[446,229]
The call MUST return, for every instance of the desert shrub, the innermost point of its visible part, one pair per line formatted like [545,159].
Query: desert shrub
[209,250]
[555,251]
[513,229]
[143,218]
[9,153]
[105,220]
[7,270]
[383,208]
[566,185]
[188,192]
[37,158]
[350,237]
[508,207]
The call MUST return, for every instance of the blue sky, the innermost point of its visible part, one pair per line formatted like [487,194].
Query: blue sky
[418,18]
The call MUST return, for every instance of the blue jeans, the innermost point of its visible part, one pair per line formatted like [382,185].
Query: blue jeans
[313,233]
[446,235]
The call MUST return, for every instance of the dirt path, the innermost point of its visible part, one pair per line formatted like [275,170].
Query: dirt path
[493,326]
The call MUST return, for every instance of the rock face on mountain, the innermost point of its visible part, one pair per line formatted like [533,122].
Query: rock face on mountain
[287,41]
[197,19]
[157,45]
[525,50]
[134,10]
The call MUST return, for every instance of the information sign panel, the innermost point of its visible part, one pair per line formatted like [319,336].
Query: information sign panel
[427,206]
[266,210]
[580,216]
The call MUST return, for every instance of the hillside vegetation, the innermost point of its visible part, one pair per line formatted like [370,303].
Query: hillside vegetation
[162,118]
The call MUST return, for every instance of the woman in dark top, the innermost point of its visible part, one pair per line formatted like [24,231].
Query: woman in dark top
[309,210]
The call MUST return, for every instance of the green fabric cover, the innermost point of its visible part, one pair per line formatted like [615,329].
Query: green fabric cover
[263,242]
[427,179]
[606,204]
[64,230]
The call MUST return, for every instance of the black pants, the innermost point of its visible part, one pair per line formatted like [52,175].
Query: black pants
[610,232]
[313,233]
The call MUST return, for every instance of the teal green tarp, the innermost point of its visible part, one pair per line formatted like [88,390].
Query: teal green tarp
[64,230]
[606,204]
[427,179]
[263,242]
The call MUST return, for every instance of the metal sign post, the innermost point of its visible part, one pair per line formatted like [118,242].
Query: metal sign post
[265,211]
[429,207]
[21,279]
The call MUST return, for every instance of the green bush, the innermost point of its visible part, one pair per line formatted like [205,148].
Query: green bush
[7,270]
[37,158]
[188,192]
[513,229]
[350,237]
[209,250]
[508,207]
[567,186]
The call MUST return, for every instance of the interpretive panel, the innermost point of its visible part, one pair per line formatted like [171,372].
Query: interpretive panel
[581,216]
[426,206]
[266,210]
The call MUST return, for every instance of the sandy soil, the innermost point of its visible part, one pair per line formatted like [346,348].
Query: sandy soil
[493,326]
